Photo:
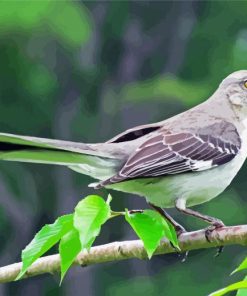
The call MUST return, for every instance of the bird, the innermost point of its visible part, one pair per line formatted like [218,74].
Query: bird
[180,162]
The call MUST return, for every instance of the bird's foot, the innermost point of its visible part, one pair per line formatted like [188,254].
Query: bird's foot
[208,232]
[215,225]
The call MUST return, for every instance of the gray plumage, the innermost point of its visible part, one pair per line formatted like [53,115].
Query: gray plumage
[187,159]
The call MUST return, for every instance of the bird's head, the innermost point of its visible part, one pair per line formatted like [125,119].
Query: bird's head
[234,87]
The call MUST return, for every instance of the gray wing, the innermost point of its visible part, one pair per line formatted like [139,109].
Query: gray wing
[175,153]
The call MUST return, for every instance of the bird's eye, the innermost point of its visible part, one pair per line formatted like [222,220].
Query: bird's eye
[245,83]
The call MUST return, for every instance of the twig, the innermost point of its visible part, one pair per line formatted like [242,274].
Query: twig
[130,249]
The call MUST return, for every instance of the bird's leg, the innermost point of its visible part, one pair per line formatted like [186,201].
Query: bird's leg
[179,228]
[181,206]
[215,223]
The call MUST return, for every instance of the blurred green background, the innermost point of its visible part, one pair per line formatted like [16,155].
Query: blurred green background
[85,71]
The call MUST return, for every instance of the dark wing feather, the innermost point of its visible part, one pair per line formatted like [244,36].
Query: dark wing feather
[167,154]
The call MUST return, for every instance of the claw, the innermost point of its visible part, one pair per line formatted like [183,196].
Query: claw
[208,232]
[219,251]
[217,224]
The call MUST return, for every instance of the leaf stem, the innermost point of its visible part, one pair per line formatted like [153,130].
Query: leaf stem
[116,214]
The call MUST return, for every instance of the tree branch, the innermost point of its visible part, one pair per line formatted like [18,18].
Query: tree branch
[130,249]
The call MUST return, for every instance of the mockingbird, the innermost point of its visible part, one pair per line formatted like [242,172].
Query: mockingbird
[180,162]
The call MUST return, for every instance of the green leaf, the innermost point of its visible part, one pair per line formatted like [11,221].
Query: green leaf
[47,237]
[75,32]
[171,233]
[242,266]
[242,292]
[90,214]
[69,248]
[233,287]
[151,227]
[49,16]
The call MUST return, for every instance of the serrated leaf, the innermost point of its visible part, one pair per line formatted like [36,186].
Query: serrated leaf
[47,237]
[151,228]
[233,287]
[243,265]
[90,214]
[69,248]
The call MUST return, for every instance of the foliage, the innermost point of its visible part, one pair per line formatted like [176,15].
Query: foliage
[47,237]
[68,68]
[162,87]
[151,228]
[28,16]
[89,215]
[240,286]
[78,231]
[69,247]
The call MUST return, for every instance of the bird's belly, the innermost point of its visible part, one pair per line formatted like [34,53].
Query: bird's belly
[194,187]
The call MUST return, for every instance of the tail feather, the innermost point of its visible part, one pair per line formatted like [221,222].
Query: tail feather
[10,142]
[96,160]
[31,149]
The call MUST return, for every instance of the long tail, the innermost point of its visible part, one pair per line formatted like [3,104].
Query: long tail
[97,160]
